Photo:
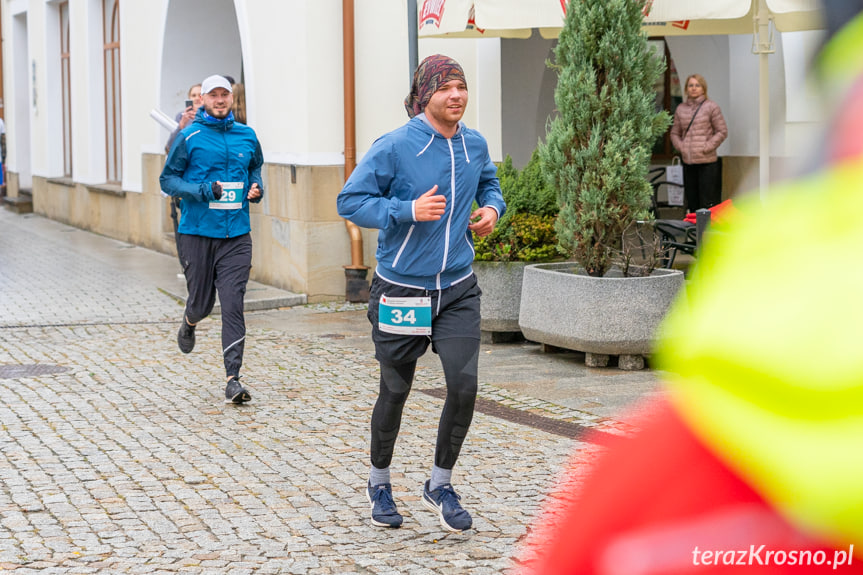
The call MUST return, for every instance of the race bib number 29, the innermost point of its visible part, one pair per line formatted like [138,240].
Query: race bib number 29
[232,197]
[405,315]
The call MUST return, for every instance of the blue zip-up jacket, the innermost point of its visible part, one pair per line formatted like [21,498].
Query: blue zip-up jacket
[209,150]
[400,167]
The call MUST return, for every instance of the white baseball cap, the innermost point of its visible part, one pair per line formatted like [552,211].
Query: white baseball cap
[213,82]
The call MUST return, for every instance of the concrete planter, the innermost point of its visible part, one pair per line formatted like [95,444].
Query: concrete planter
[602,316]
[501,294]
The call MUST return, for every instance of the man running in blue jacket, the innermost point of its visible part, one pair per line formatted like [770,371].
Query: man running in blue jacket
[214,167]
[417,185]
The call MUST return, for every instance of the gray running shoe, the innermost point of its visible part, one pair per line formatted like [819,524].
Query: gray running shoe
[236,393]
[186,337]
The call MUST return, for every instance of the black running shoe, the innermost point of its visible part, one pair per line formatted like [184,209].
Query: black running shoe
[384,512]
[186,337]
[444,501]
[236,393]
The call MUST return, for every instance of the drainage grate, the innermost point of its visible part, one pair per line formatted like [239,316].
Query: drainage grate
[29,370]
[547,424]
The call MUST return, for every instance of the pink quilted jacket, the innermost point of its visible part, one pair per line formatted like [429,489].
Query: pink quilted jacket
[708,130]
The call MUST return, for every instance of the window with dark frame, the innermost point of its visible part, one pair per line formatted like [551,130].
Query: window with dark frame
[113,140]
[66,88]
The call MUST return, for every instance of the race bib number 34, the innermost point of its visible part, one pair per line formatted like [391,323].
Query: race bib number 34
[232,197]
[405,315]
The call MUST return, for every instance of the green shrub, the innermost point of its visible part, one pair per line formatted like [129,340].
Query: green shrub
[527,238]
[526,231]
[597,152]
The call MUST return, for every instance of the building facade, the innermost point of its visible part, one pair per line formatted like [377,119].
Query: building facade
[81,78]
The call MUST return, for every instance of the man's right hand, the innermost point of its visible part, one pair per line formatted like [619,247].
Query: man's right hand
[216,188]
[429,207]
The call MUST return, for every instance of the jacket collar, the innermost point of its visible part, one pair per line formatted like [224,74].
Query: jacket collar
[225,124]
[424,122]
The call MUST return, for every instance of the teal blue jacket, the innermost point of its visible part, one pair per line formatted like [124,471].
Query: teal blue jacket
[400,167]
[206,151]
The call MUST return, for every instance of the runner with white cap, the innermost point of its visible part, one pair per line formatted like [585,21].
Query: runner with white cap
[214,167]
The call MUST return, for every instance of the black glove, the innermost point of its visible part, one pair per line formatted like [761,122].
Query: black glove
[216,188]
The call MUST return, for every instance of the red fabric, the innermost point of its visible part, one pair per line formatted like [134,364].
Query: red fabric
[657,497]
[718,212]
[845,143]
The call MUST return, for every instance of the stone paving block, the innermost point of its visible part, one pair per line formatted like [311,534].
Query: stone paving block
[129,461]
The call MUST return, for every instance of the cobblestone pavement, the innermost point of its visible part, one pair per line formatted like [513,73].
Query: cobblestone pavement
[118,454]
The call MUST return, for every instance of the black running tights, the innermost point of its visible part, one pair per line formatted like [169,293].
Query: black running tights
[459,357]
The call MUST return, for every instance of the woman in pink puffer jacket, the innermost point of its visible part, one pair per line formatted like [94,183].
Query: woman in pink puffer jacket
[697,131]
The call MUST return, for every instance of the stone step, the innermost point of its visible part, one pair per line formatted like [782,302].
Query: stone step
[259,297]
[22,204]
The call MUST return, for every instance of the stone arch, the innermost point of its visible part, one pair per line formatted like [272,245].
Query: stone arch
[201,37]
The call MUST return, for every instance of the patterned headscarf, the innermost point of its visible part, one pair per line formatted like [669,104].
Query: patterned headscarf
[431,74]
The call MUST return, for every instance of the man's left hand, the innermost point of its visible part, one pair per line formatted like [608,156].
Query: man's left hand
[254,193]
[485,224]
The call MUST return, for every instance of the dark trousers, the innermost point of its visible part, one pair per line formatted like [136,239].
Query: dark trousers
[702,184]
[459,358]
[216,265]
[455,338]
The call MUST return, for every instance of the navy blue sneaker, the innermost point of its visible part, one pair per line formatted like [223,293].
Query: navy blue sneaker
[384,512]
[445,502]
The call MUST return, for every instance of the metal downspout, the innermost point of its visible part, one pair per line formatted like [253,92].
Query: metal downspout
[413,44]
[356,286]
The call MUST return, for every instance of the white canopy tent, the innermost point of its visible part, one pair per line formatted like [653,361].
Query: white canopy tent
[517,18]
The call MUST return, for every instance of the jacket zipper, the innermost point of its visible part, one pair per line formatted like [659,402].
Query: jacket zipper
[451,210]
[227,165]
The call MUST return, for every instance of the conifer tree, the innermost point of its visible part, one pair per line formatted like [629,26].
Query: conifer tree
[598,147]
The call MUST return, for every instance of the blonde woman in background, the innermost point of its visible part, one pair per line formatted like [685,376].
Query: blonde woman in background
[239,108]
[696,133]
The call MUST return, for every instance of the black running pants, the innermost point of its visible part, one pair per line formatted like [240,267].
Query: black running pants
[217,265]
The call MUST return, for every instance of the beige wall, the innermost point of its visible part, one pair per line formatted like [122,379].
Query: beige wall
[300,242]
[740,174]
[137,218]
